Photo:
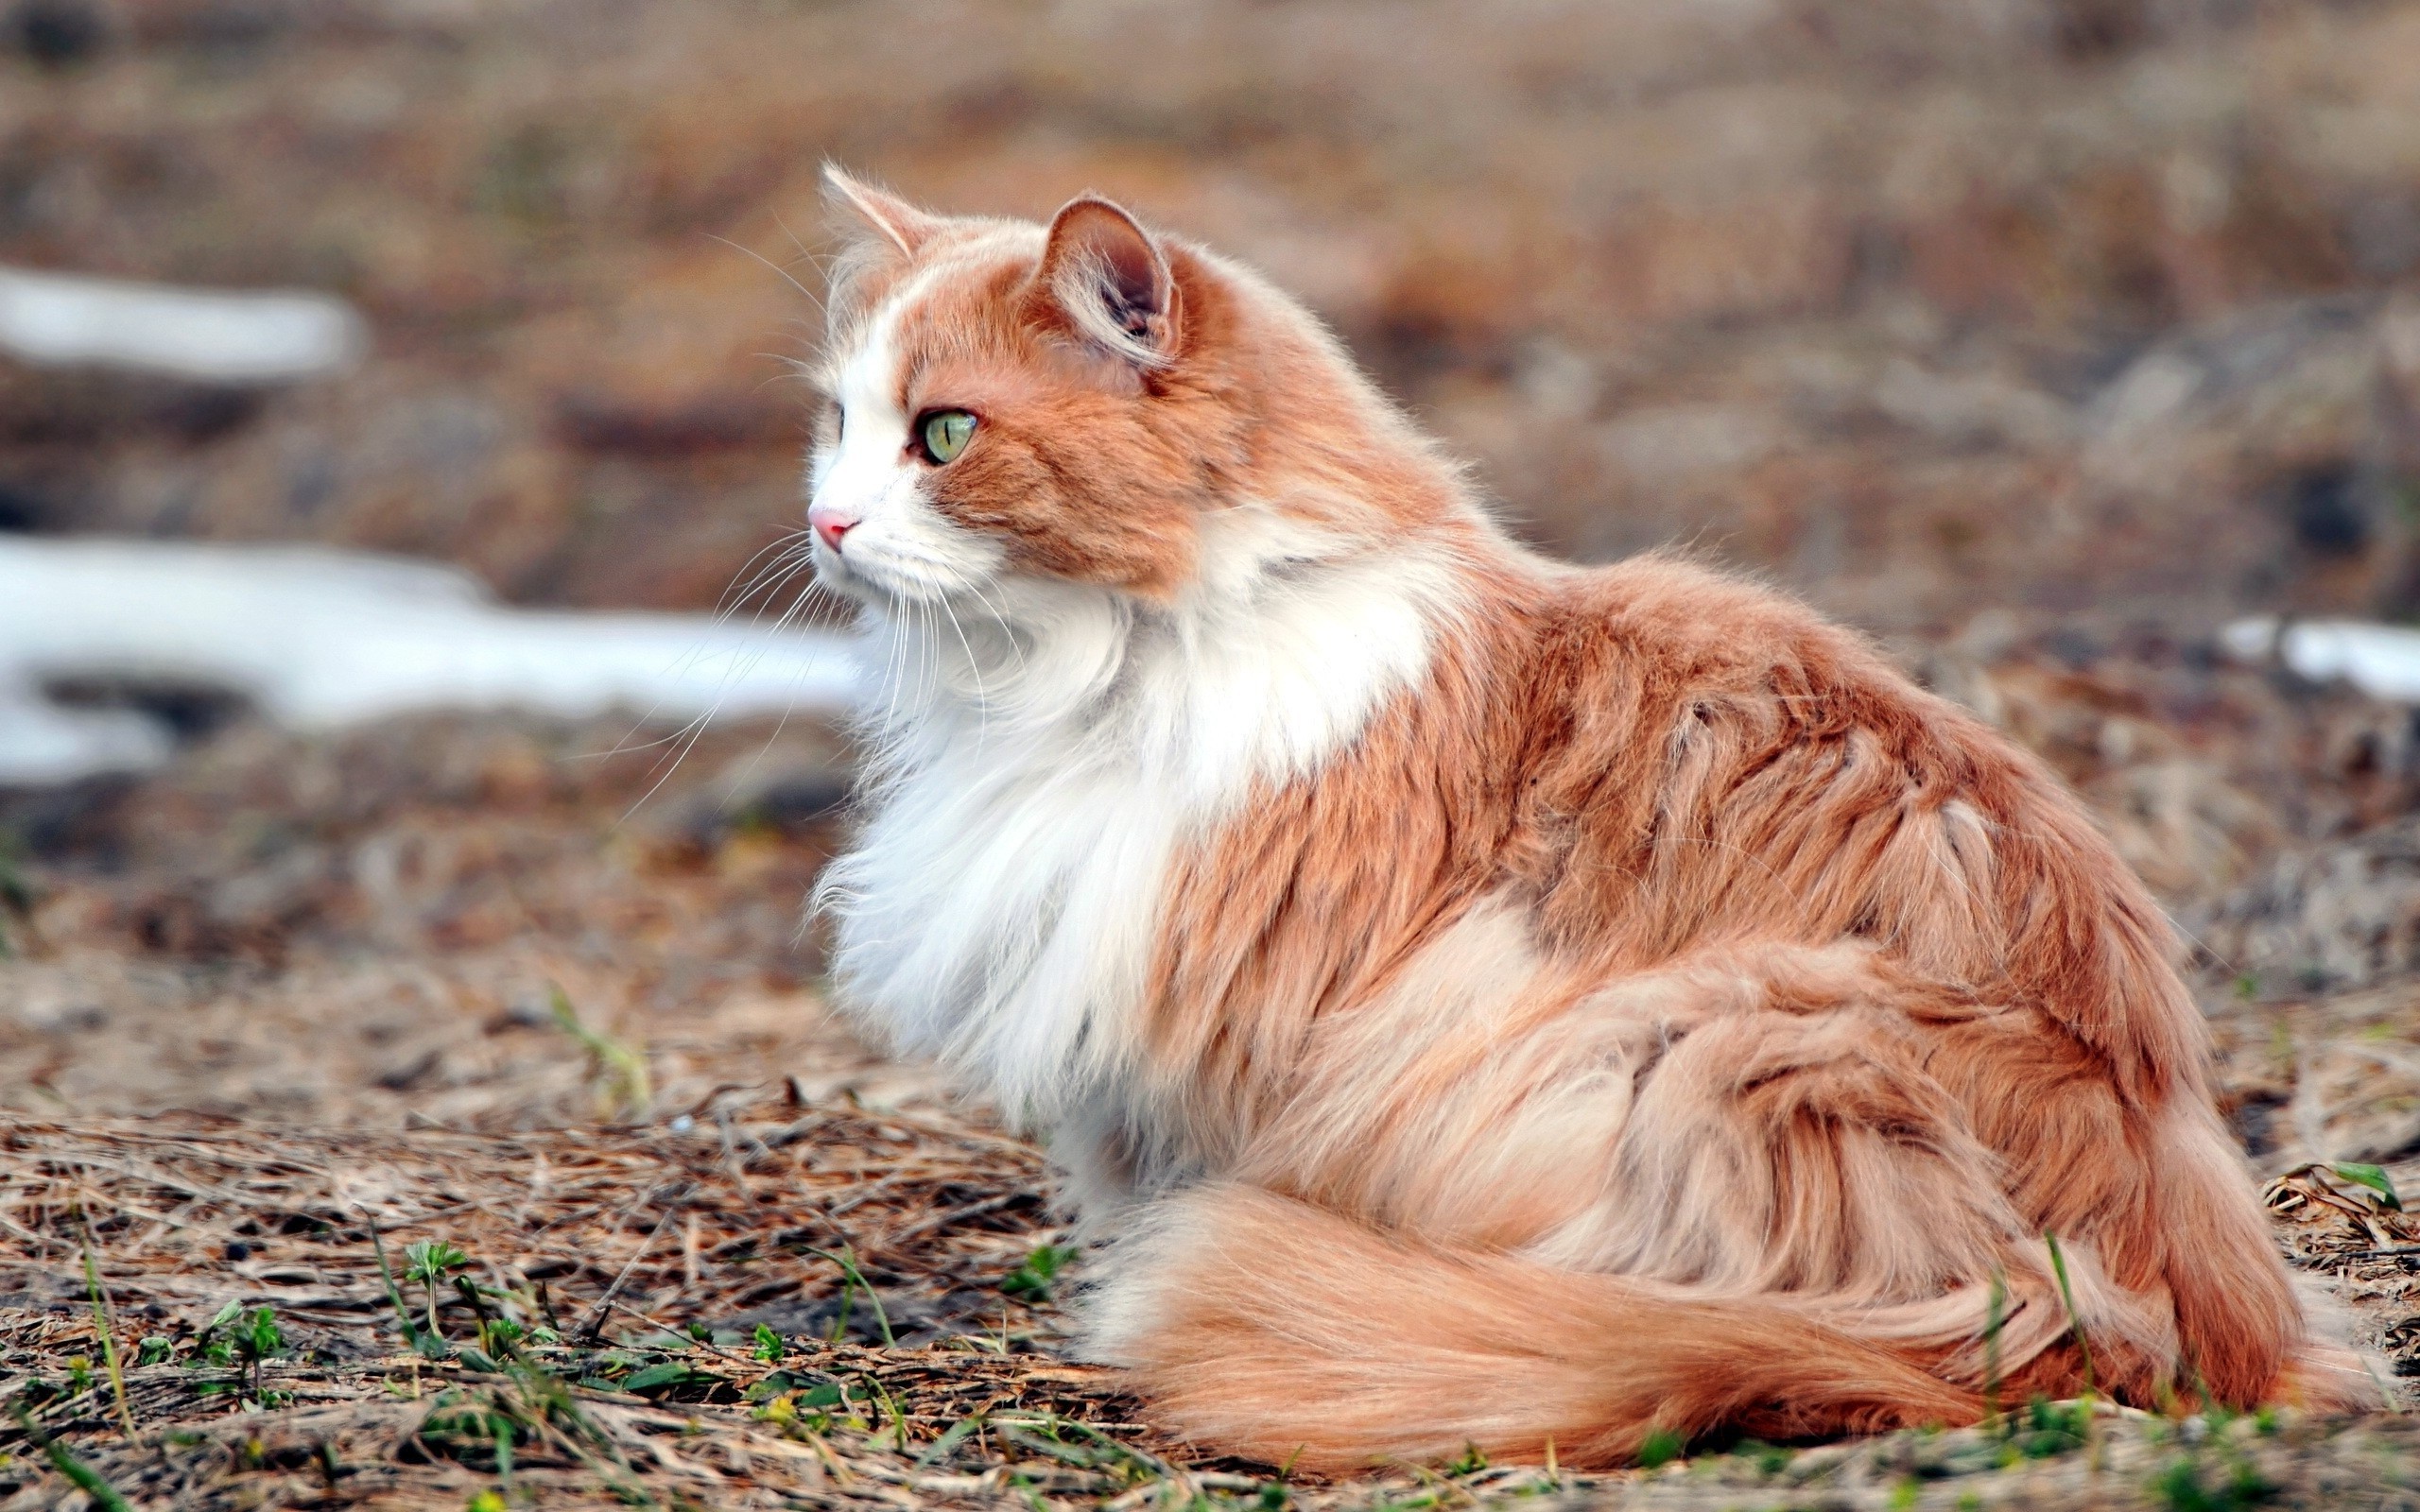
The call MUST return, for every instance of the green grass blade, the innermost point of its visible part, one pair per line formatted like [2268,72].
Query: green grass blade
[2371,1176]
[2083,1346]
[1995,1319]
[105,1324]
[851,1276]
[86,1479]
[396,1297]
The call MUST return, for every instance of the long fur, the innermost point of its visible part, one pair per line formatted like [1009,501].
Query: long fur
[1485,1001]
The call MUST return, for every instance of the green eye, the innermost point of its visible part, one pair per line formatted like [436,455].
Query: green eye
[946,433]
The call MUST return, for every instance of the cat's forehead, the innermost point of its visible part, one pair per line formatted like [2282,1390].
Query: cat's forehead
[959,297]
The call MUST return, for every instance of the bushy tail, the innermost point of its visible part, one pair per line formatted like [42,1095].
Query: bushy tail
[1279,1331]
[2246,1329]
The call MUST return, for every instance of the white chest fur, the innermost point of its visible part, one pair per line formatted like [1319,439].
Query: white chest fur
[1003,904]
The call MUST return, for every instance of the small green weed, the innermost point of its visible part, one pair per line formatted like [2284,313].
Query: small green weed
[463,1424]
[797,1413]
[624,1085]
[16,893]
[498,1336]
[1662,1448]
[2181,1488]
[852,1280]
[239,1340]
[1031,1280]
[83,1476]
[2052,1428]
[2066,1294]
[1078,1443]
[429,1345]
[1995,1319]
[2374,1178]
[533,1404]
[429,1262]
[957,1434]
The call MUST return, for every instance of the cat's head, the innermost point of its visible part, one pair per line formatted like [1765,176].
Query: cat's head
[1088,402]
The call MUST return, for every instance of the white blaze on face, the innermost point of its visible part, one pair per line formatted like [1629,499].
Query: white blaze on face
[869,487]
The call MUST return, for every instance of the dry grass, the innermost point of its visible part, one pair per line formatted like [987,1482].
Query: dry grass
[634,1262]
[600,1341]
[291,987]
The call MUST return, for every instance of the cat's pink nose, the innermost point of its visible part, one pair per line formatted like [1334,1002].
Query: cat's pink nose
[830,524]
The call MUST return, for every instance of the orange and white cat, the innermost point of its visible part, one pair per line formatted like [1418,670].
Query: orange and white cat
[1486,1001]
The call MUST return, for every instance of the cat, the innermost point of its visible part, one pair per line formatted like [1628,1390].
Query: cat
[1483,1000]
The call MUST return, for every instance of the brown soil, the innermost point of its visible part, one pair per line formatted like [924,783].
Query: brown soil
[470,982]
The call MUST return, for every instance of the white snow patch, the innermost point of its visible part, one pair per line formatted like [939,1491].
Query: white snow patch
[319,638]
[2383,660]
[42,743]
[66,319]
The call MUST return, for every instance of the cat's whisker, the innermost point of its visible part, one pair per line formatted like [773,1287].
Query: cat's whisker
[790,559]
[783,723]
[974,663]
[684,741]
[767,579]
[734,593]
[1008,631]
[781,272]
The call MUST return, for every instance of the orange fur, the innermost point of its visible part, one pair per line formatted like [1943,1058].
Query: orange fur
[1657,1014]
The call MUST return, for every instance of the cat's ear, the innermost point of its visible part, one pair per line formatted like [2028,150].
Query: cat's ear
[894,219]
[1107,276]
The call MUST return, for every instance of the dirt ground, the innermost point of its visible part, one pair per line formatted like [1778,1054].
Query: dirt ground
[547,997]
[2037,337]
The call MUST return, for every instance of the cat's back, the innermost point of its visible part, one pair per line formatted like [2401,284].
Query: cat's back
[1711,759]
[1684,660]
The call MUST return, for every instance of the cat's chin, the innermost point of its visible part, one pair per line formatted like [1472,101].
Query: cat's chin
[854,587]
[876,587]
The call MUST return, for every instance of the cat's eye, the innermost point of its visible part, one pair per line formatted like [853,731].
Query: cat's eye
[946,433]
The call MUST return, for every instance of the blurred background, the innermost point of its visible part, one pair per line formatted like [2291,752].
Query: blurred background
[2044,338]
[1921,305]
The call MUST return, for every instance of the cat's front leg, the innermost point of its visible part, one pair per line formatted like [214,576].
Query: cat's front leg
[1100,1167]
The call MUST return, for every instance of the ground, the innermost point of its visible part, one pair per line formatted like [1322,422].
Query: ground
[534,1010]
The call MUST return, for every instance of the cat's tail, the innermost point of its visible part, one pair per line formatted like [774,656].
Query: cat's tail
[1285,1333]
[2244,1327]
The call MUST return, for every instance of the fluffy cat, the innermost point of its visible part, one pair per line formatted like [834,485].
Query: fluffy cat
[1486,1001]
